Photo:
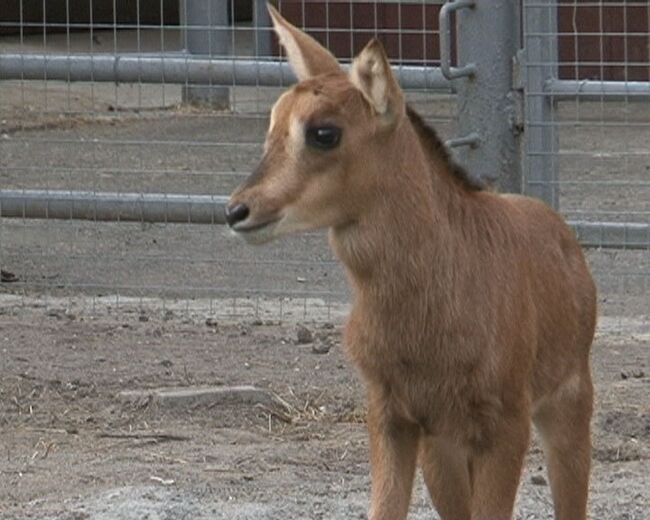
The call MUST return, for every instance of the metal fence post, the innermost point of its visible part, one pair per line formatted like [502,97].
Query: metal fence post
[262,24]
[210,39]
[487,43]
[540,66]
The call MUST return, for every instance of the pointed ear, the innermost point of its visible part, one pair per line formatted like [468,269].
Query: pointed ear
[306,56]
[372,75]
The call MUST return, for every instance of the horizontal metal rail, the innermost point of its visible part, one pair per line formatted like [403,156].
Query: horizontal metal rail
[187,69]
[111,207]
[612,235]
[181,69]
[209,209]
[564,89]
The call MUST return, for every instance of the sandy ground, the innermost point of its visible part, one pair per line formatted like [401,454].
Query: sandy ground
[71,450]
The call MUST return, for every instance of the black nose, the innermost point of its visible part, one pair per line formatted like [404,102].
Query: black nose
[236,213]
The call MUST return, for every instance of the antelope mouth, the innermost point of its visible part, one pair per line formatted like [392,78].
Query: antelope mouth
[257,233]
[255,227]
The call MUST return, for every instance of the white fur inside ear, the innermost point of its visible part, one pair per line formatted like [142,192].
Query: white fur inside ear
[294,53]
[379,89]
[368,74]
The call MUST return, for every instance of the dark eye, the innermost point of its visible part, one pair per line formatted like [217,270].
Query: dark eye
[323,137]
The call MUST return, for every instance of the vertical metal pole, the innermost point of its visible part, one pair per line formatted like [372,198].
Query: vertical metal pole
[540,65]
[488,36]
[262,24]
[210,39]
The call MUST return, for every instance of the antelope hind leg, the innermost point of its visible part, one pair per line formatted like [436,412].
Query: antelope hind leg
[563,421]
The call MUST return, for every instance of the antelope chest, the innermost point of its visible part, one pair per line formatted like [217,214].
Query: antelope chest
[412,388]
[443,398]
[414,395]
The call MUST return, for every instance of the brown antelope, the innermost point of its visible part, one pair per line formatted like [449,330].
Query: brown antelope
[473,311]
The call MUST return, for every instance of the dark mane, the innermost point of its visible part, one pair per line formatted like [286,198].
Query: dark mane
[433,145]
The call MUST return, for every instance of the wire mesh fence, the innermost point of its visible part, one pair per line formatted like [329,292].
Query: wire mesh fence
[596,130]
[172,98]
[69,125]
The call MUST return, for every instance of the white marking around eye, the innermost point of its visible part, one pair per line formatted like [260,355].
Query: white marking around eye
[274,114]
[296,136]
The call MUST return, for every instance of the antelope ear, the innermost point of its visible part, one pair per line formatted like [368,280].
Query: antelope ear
[306,56]
[372,75]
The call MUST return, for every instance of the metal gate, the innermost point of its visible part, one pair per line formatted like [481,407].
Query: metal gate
[100,123]
[586,78]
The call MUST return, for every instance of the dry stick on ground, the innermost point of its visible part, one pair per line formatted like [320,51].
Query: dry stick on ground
[284,417]
[165,458]
[135,435]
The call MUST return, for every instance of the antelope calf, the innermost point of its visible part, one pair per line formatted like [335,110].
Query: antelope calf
[473,311]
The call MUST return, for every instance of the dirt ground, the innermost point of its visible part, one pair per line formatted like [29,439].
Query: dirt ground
[70,449]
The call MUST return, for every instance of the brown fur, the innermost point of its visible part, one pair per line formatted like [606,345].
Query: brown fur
[473,312]
[434,146]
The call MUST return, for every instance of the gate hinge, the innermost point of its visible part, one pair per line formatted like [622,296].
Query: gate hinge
[516,114]
[518,70]
[516,95]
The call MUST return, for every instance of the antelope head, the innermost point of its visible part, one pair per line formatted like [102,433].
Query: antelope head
[324,138]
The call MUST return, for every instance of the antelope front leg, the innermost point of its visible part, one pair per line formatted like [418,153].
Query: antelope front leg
[393,454]
[496,472]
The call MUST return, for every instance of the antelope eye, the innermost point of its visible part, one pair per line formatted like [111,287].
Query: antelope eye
[323,137]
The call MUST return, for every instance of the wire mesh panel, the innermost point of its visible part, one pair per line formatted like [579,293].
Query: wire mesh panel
[590,122]
[166,97]
[172,98]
